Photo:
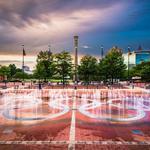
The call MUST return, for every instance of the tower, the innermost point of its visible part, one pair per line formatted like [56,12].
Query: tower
[102,51]
[76,57]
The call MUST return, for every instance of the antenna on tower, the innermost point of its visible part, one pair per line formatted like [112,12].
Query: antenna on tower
[140,48]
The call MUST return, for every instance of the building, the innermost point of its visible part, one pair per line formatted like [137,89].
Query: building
[27,70]
[136,57]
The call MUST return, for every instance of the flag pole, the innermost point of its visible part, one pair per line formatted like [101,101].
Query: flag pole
[23,63]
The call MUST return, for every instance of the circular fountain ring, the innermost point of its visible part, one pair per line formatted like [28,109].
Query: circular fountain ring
[84,109]
[26,104]
[56,104]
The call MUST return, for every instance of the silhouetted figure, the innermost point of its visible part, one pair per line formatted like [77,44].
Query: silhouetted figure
[97,86]
[23,83]
[75,87]
[132,86]
[40,86]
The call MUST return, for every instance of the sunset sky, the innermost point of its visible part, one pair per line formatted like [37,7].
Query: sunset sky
[38,23]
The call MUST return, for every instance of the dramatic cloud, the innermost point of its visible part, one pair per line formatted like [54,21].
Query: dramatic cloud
[37,23]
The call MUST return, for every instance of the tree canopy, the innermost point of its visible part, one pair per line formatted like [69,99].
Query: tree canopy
[112,65]
[60,66]
[141,70]
[45,67]
[64,65]
[87,69]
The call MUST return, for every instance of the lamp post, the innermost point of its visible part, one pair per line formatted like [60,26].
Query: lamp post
[49,52]
[129,52]
[49,59]
[102,51]
[112,73]
[5,80]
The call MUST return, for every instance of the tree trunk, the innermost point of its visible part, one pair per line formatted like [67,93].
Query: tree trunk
[63,80]
[112,79]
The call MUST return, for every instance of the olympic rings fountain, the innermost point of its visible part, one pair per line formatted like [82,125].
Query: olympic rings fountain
[105,105]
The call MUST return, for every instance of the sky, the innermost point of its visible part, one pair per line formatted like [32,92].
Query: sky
[39,23]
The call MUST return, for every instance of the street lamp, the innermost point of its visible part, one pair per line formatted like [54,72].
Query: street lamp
[112,73]
[49,52]
[102,51]
[5,80]
[129,53]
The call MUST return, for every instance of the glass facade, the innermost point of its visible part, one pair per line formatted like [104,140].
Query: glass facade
[140,57]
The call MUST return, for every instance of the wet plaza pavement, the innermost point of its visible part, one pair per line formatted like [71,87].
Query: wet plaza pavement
[74,119]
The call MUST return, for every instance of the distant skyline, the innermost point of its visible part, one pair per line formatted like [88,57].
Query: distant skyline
[36,24]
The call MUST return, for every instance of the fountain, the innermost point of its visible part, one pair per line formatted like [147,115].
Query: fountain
[120,106]
[106,105]
[27,105]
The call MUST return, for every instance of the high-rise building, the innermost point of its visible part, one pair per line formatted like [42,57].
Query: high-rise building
[136,57]
[76,57]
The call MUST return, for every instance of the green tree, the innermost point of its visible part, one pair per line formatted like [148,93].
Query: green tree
[145,72]
[13,70]
[21,75]
[142,70]
[40,71]
[112,66]
[4,71]
[64,65]
[45,67]
[102,76]
[87,69]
